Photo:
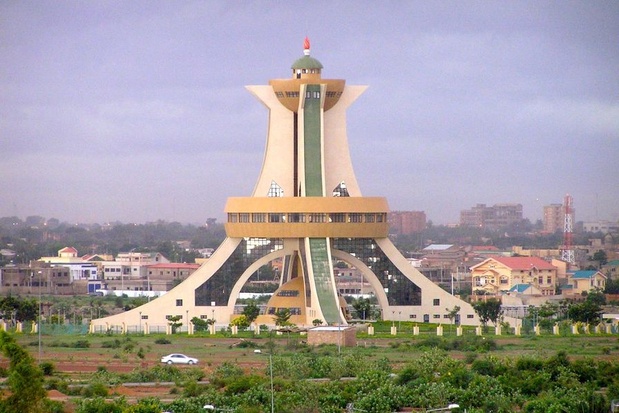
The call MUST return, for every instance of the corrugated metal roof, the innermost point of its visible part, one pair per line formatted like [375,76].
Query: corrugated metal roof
[438,247]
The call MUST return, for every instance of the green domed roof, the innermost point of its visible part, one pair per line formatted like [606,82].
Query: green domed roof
[307,62]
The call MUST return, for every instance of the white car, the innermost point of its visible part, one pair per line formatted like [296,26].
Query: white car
[177,358]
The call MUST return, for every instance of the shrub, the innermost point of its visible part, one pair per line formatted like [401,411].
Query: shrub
[111,344]
[48,368]
[470,357]
[192,389]
[247,344]
[162,341]
[57,384]
[94,390]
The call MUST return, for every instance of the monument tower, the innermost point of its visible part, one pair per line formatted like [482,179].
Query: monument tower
[306,212]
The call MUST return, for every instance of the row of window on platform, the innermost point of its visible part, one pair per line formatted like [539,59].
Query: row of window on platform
[319,218]
[308,94]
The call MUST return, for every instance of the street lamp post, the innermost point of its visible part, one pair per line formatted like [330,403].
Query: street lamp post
[272,392]
[39,320]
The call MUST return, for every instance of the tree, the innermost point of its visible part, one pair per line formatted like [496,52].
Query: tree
[200,324]
[601,258]
[589,311]
[251,311]
[25,381]
[281,317]
[240,321]
[175,322]
[363,308]
[453,313]
[612,286]
[488,310]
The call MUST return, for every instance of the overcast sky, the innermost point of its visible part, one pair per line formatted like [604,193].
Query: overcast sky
[136,110]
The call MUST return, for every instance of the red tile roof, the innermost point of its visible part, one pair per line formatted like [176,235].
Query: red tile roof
[525,263]
[68,249]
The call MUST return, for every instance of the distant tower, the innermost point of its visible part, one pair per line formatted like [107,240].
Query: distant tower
[306,214]
[567,252]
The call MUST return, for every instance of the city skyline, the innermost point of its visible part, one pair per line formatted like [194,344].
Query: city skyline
[121,112]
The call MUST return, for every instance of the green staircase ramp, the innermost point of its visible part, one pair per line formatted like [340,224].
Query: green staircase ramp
[325,289]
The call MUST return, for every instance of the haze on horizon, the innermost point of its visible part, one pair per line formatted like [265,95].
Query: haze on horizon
[137,111]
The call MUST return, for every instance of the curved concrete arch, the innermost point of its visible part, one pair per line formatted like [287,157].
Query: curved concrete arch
[367,273]
[252,269]
[158,307]
[430,291]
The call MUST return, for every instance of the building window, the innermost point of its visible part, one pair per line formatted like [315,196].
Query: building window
[277,218]
[317,218]
[288,293]
[179,302]
[295,217]
[356,218]
[436,316]
[244,217]
[233,218]
[337,217]
[370,218]
[436,302]
[144,317]
[549,280]
[257,217]
[470,316]
[412,316]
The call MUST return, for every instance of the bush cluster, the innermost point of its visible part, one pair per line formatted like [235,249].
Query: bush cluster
[528,384]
